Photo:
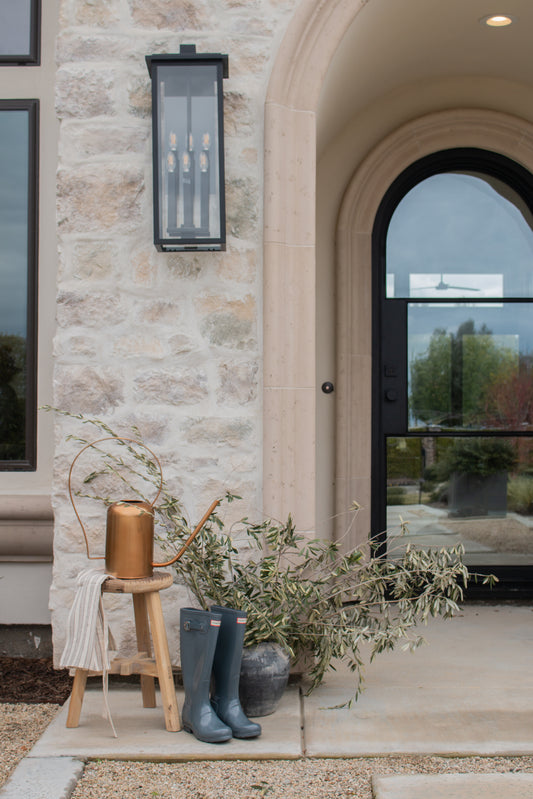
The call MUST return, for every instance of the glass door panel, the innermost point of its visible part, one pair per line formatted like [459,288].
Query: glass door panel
[453,378]
[473,491]
[470,366]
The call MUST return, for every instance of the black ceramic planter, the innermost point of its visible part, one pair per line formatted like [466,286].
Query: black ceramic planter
[476,495]
[264,676]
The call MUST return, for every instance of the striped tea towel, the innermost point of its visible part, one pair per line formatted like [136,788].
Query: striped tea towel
[89,641]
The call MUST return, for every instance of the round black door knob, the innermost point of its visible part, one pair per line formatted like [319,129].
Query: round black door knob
[391,395]
[328,388]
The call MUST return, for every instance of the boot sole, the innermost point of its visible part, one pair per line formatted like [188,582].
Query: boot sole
[206,740]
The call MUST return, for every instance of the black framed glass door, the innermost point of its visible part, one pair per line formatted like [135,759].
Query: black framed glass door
[453,361]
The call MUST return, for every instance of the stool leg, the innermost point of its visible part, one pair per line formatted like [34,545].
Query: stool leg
[143,645]
[76,697]
[162,659]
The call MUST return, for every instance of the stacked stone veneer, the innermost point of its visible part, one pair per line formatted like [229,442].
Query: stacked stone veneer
[168,342]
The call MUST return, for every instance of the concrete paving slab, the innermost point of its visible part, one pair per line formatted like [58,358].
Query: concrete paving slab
[43,778]
[454,786]
[468,691]
[142,734]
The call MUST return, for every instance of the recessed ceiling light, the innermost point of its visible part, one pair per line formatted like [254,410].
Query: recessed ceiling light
[498,20]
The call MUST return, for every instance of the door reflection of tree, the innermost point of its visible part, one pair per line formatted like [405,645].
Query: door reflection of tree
[450,384]
[11,407]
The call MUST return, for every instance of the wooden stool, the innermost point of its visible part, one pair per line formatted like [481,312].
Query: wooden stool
[146,607]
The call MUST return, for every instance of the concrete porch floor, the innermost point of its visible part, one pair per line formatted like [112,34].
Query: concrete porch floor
[468,691]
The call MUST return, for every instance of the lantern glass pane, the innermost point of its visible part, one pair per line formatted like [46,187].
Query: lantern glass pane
[189,168]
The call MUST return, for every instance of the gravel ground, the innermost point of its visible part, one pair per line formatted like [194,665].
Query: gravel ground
[274,779]
[21,726]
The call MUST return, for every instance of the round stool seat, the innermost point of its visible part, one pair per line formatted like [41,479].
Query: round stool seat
[138,585]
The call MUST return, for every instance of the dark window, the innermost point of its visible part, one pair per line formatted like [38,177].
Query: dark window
[20,32]
[18,282]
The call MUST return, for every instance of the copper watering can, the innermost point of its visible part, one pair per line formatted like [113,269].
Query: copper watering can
[130,528]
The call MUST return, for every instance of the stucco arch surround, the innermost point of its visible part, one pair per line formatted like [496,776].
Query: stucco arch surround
[489,130]
[289,258]
[290,390]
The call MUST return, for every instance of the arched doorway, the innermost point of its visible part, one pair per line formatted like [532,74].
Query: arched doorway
[343,79]
[453,361]
[413,143]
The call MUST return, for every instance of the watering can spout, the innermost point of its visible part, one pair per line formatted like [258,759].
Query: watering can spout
[192,536]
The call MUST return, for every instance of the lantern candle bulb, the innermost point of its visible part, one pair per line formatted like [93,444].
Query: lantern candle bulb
[204,184]
[188,186]
[173,182]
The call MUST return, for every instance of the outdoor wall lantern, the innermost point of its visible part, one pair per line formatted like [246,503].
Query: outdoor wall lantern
[188,149]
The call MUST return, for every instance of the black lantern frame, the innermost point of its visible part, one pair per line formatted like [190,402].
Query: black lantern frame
[188,150]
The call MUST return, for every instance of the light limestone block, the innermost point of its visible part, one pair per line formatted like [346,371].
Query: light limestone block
[168,14]
[173,388]
[138,345]
[217,431]
[152,427]
[98,200]
[186,266]
[238,115]
[144,268]
[83,92]
[181,344]
[238,266]
[90,310]
[104,137]
[229,323]
[140,97]
[242,199]
[162,312]
[238,383]
[101,13]
[82,389]
[91,47]
[85,345]
[94,260]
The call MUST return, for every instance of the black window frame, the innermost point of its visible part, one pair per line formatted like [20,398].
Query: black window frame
[29,462]
[514,580]
[33,57]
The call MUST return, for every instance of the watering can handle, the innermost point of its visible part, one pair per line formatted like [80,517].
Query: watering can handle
[192,536]
[92,444]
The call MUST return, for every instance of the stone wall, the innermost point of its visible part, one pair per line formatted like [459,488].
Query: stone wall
[168,342]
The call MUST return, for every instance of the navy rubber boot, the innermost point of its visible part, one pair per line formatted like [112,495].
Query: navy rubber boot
[198,639]
[226,673]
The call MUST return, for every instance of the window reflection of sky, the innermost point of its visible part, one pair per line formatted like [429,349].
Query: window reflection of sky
[452,228]
[13,221]
[15,23]
[448,285]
